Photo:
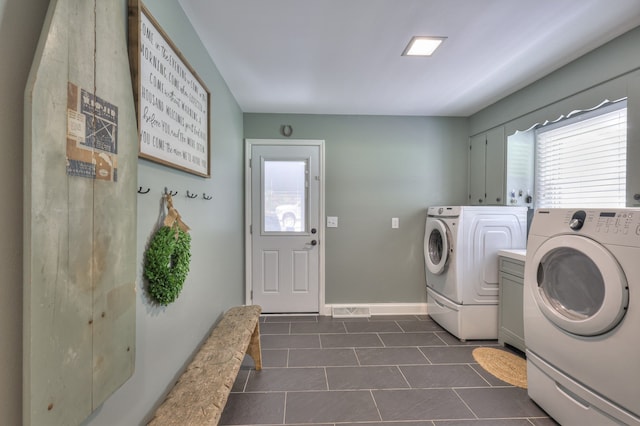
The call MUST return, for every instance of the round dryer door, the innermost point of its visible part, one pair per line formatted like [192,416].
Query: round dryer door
[436,246]
[579,285]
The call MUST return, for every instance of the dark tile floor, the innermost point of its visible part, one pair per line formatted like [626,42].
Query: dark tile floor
[387,370]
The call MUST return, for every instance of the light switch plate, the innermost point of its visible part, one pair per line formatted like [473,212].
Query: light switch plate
[395,223]
[332,221]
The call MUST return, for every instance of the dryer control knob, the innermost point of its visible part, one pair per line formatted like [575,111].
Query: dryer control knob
[577,220]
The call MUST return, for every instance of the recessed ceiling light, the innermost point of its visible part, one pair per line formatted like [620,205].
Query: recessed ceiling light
[422,46]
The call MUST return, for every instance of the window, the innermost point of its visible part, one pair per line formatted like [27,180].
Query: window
[582,161]
[285,195]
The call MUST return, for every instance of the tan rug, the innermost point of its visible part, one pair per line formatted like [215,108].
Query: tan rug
[504,365]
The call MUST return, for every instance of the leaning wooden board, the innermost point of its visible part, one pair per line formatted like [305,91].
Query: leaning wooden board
[79,214]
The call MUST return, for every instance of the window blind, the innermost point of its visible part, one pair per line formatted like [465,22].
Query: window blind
[582,161]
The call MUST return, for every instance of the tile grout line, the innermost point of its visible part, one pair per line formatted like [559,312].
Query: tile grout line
[404,377]
[355,353]
[375,403]
[478,373]
[465,403]
[326,378]
[284,408]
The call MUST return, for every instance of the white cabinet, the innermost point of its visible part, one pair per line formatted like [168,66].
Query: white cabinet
[633,141]
[510,311]
[520,166]
[487,168]
[477,149]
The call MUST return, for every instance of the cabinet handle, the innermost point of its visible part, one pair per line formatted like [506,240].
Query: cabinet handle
[479,200]
[498,199]
[636,197]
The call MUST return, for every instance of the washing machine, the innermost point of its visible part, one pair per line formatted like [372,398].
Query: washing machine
[582,315]
[461,246]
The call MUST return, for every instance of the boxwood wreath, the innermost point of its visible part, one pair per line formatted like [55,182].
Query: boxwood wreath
[167,258]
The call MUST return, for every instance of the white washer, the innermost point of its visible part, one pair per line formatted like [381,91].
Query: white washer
[582,315]
[461,246]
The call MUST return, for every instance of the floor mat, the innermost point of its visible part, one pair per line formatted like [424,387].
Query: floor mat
[504,365]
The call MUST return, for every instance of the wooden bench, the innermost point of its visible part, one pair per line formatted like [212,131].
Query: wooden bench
[201,392]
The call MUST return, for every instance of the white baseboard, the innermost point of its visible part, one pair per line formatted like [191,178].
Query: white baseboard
[381,308]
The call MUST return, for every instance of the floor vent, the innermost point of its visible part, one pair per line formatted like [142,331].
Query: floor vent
[350,312]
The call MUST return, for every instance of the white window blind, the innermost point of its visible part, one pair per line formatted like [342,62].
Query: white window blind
[582,161]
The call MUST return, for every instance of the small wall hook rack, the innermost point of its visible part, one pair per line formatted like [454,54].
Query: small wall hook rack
[204,195]
[140,191]
[168,192]
[191,195]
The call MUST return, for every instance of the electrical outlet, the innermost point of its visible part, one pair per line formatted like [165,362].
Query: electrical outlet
[332,221]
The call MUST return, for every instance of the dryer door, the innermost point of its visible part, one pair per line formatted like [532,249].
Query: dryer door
[578,285]
[436,246]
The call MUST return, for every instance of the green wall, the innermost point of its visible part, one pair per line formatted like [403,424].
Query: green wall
[167,337]
[20,23]
[379,167]
[601,73]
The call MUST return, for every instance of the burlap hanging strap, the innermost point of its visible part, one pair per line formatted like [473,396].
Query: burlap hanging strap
[173,217]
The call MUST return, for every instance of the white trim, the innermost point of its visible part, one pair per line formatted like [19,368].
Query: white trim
[247,211]
[381,308]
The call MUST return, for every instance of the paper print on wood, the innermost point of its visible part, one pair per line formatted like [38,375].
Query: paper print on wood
[92,135]
[172,101]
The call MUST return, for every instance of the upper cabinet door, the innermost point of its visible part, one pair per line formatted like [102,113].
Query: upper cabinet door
[495,171]
[633,141]
[477,166]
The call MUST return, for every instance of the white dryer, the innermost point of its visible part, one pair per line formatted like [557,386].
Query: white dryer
[582,315]
[461,246]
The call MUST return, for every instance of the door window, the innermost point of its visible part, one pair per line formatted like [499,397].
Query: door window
[571,283]
[577,284]
[284,205]
[435,246]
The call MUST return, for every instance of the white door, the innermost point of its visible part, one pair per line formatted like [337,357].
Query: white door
[285,227]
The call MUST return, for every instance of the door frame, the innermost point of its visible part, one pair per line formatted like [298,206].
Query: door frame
[249,143]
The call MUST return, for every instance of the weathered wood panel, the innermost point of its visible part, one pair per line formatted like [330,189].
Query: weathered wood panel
[80,247]
[114,214]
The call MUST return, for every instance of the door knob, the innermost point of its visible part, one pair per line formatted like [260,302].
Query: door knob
[314,242]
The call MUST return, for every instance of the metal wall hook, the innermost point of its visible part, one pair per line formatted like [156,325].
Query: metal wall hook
[140,191]
[204,195]
[168,192]
[191,195]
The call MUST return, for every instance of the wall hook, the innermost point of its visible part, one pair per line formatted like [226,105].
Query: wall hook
[204,195]
[191,195]
[140,191]
[167,192]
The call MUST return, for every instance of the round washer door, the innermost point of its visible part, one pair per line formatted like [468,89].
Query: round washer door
[436,246]
[579,285]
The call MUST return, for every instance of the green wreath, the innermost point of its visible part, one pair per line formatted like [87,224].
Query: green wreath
[167,263]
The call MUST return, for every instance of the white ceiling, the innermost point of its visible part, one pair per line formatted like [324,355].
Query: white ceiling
[344,56]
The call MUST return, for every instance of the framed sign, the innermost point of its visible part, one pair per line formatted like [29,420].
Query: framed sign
[172,102]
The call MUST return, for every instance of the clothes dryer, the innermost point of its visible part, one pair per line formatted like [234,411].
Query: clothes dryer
[582,315]
[461,246]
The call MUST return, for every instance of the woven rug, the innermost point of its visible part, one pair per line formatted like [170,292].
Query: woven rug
[504,365]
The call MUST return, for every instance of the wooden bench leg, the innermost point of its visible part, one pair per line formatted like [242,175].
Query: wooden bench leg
[254,350]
